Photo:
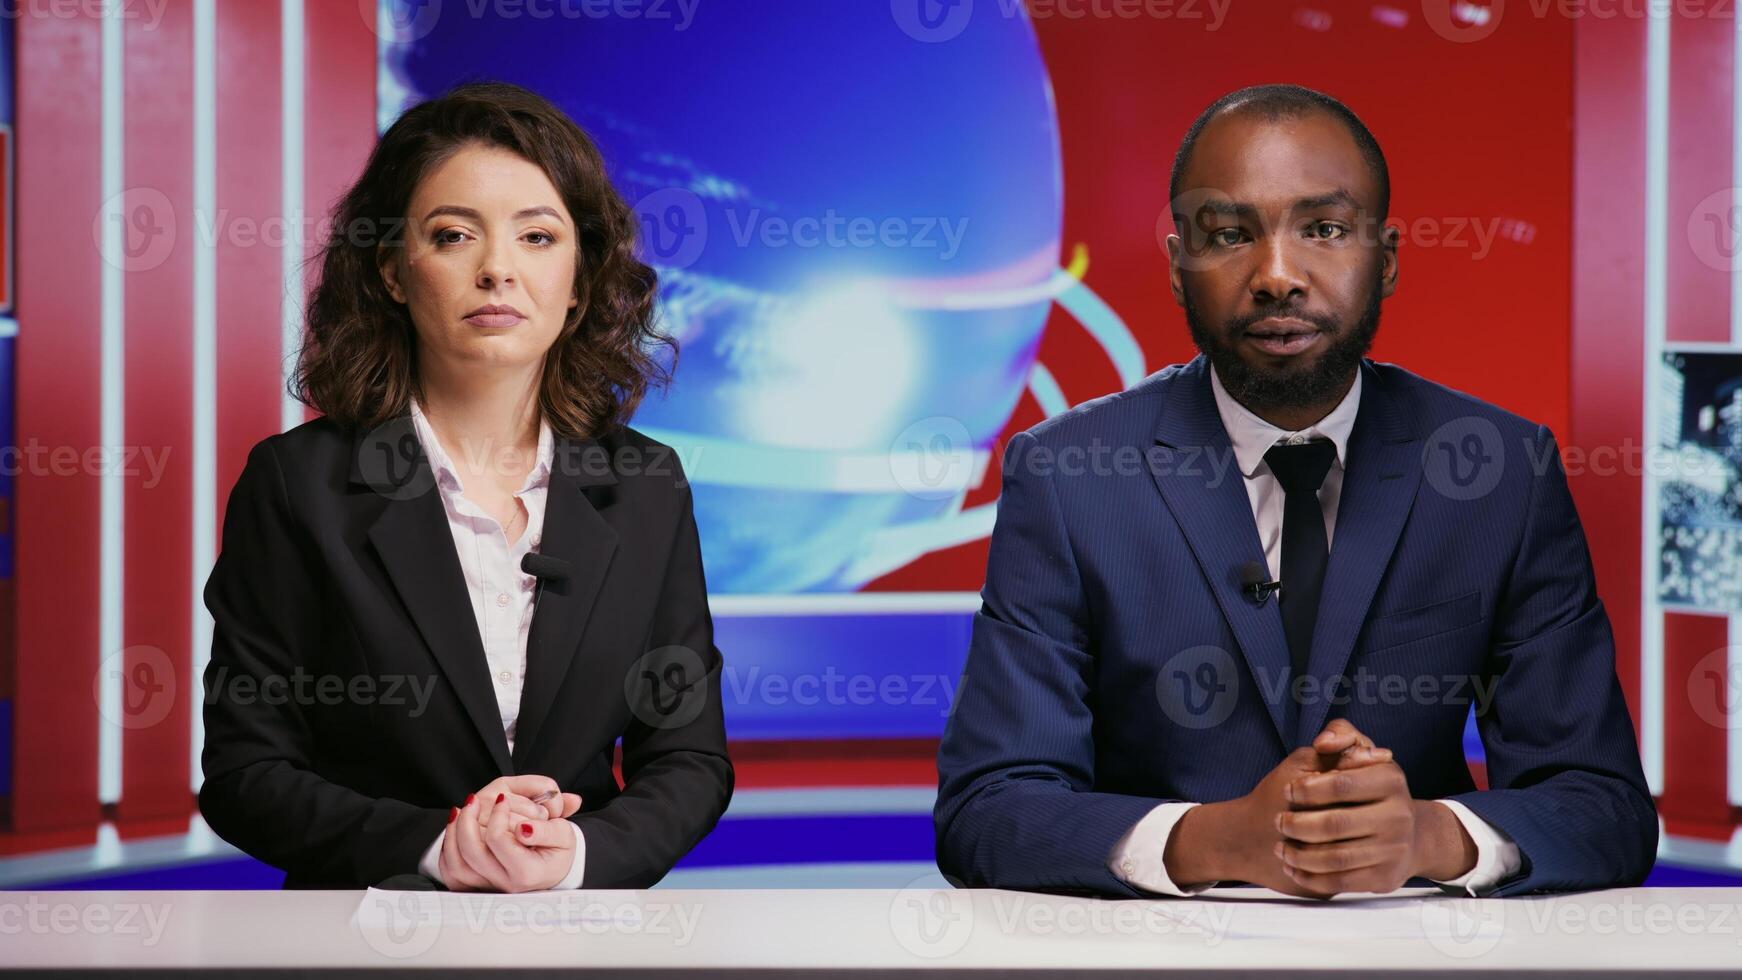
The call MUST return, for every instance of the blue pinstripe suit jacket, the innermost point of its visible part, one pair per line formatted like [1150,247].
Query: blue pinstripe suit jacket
[1116,662]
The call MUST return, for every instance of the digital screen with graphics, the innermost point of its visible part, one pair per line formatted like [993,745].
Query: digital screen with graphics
[859,288]
[1699,497]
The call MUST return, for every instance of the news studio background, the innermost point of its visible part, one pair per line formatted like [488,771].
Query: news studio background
[890,234]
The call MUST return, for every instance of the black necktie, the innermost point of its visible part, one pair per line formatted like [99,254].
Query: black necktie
[1300,469]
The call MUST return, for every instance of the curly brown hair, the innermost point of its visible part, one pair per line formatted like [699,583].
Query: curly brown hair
[357,363]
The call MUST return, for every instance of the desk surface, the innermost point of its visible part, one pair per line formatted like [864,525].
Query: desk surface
[1627,931]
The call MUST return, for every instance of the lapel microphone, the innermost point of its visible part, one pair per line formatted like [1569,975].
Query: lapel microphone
[547,569]
[1254,581]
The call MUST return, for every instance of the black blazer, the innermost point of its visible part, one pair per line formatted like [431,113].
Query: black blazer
[348,702]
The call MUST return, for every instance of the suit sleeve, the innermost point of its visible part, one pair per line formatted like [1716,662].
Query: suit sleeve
[1563,764]
[677,777]
[260,792]
[1016,766]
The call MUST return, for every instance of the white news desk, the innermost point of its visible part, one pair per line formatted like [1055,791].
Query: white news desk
[1638,932]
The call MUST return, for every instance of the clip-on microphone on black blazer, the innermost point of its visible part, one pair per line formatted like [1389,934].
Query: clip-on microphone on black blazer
[1255,581]
[547,569]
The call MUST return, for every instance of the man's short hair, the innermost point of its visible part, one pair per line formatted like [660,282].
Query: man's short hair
[1273,102]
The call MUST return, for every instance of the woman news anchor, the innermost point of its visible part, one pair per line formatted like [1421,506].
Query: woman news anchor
[393,683]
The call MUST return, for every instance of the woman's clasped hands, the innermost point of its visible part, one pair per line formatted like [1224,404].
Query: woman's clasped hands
[501,840]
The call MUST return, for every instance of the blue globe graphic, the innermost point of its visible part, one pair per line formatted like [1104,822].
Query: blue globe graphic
[857,234]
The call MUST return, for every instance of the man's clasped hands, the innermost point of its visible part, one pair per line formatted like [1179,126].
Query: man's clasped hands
[1334,816]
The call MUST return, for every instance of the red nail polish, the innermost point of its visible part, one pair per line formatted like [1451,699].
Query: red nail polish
[469,798]
[526,829]
[501,796]
[453,811]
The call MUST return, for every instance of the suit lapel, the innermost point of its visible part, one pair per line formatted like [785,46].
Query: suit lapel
[1380,479]
[1202,484]
[412,537]
[575,532]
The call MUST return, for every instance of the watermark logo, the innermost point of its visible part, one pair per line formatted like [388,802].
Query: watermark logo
[932,21]
[1463,459]
[930,922]
[391,461]
[148,686]
[401,20]
[1463,21]
[144,226]
[674,227]
[1463,928]
[1715,688]
[1715,230]
[1198,687]
[932,459]
[667,687]
[400,924]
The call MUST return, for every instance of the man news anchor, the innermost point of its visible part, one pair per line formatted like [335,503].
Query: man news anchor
[1204,593]
[500,579]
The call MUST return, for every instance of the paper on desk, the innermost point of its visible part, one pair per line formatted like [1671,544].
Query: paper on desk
[1412,914]
[395,912]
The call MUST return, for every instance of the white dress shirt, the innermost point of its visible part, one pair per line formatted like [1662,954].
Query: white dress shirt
[1137,857]
[501,594]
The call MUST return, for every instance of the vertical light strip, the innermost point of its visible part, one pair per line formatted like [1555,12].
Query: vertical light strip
[113,408]
[1656,231]
[205,367]
[291,27]
[1733,677]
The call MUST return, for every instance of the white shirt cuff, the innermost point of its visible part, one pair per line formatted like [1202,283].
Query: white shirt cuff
[1497,857]
[1138,858]
[430,864]
[578,869]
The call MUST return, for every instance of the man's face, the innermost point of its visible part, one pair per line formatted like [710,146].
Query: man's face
[1280,263]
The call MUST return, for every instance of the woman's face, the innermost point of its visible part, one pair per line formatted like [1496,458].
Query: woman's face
[485,229]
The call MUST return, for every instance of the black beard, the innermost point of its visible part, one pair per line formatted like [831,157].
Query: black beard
[1263,390]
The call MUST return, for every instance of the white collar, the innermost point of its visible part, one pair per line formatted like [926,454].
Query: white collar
[1252,437]
[443,466]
